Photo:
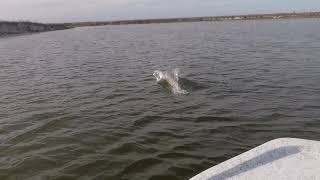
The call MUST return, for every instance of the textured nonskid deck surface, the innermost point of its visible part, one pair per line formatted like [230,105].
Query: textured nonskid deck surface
[284,158]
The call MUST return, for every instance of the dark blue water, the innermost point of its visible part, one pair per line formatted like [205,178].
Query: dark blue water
[83,104]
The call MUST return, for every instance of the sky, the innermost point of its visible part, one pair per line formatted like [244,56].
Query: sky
[105,10]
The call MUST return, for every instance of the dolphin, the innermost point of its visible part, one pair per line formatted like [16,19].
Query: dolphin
[170,79]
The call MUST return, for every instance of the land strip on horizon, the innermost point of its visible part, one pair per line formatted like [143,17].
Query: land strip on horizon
[9,28]
[199,19]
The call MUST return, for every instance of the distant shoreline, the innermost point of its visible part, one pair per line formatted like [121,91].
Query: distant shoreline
[199,19]
[15,28]
[9,28]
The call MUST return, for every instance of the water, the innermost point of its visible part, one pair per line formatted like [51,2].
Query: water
[83,103]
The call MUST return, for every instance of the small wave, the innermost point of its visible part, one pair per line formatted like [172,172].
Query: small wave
[170,81]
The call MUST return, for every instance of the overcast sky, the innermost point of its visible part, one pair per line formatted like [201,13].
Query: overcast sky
[99,10]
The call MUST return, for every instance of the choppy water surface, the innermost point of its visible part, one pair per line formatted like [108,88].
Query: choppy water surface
[83,103]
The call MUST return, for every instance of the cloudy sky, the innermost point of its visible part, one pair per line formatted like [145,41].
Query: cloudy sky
[97,10]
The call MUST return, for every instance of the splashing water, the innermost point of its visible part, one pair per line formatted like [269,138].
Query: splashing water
[170,80]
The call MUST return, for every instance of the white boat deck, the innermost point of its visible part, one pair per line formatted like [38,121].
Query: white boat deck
[285,159]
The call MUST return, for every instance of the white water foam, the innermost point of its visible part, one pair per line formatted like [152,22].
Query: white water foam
[170,78]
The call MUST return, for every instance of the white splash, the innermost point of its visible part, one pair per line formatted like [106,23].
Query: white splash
[171,78]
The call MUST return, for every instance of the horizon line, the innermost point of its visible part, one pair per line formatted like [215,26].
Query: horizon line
[169,18]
